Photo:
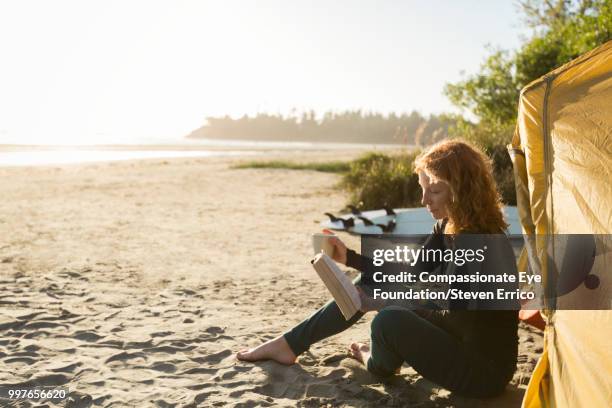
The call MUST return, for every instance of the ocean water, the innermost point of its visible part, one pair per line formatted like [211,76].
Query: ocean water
[47,157]
[38,155]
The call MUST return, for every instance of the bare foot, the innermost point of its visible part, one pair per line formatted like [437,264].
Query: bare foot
[360,352]
[276,349]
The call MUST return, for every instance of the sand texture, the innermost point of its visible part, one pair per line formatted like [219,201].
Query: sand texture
[134,283]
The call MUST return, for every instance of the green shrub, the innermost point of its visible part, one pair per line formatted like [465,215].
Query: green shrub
[376,180]
[327,167]
[503,173]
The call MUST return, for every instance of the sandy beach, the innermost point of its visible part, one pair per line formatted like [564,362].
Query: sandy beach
[134,283]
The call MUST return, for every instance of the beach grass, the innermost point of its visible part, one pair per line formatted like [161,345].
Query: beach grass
[326,167]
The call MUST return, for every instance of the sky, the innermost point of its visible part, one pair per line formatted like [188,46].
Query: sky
[119,71]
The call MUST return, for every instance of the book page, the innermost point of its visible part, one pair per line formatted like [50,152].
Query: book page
[339,284]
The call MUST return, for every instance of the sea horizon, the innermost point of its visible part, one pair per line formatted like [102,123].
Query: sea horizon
[37,154]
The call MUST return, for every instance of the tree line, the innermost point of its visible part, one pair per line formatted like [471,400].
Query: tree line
[353,126]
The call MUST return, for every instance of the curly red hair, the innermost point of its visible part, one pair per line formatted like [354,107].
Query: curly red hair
[476,205]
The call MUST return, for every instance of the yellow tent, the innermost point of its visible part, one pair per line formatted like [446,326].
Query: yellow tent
[562,155]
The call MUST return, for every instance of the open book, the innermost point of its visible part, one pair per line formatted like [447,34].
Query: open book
[339,285]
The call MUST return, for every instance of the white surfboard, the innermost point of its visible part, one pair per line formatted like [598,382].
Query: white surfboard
[405,221]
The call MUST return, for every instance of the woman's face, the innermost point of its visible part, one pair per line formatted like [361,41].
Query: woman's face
[436,196]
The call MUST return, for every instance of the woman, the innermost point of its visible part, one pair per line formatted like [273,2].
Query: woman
[470,352]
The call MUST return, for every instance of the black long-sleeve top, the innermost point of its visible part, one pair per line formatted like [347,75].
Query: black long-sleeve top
[493,333]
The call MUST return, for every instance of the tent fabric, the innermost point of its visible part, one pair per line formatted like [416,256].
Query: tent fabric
[562,156]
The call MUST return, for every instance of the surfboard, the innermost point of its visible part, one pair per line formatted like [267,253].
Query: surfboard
[358,222]
[400,221]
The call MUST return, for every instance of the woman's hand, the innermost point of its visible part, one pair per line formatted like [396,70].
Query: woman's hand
[339,254]
[369,304]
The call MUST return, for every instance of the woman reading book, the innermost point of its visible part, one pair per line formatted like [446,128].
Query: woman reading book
[470,352]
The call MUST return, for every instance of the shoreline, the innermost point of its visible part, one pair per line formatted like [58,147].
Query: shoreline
[46,155]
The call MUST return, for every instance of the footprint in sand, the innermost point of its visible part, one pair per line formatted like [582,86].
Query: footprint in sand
[185,292]
[199,370]
[86,335]
[124,356]
[216,358]
[41,324]
[79,400]
[214,330]
[138,344]
[321,390]
[35,334]
[70,368]
[162,366]
[111,343]
[32,348]
[29,316]
[204,396]
[74,275]
[281,390]
[168,349]
[48,379]
[12,325]
[25,360]
[334,358]
[162,334]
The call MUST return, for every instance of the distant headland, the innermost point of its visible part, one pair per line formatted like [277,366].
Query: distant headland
[340,127]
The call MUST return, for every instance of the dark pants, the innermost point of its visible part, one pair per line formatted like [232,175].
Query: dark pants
[399,335]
